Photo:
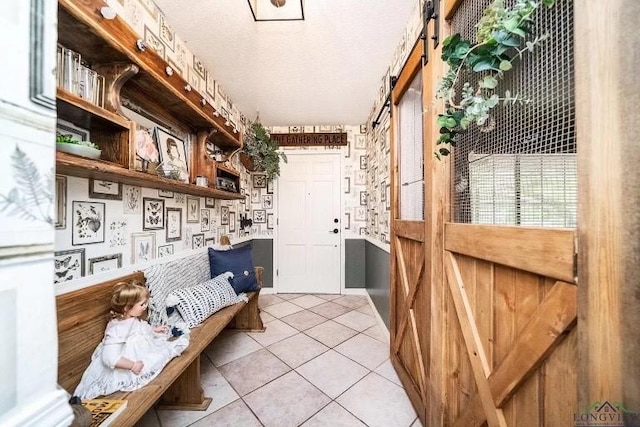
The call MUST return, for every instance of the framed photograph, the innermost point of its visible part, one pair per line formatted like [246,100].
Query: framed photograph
[361,177]
[64,128]
[347,150]
[193,209]
[361,213]
[363,128]
[363,162]
[347,184]
[347,220]
[383,190]
[131,200]
[152,214]
[88,223]
[270,221]
[270,186]
[173,155]
[259,216]
[105,263]
[363,198]
[255,196]
[197,241]
[244,200]
[205,220]
[361,142]
[267,201]
[104,189]
[143,247]
[232,222]
[387,197]
[210,241]
[224,215]
[173,219]
[166,194]
[259,180]
[68,265]
[61,202]
[363,231]
[210,202]
[165,250]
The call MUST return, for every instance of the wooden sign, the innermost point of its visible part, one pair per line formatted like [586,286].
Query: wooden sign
[309,139]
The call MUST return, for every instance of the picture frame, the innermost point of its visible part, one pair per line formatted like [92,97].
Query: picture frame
[269,221]
[68,265]
[362,231]
[363,162]
[152,214]
[259,180]
[99,189]
[61,202]
[363,198]
[193,209]
[172,154]
[210,241]
[347,220]
[347,150]
[166,194]
[105,263]
[361,177]
[88,220]
[205,220]
[232,222]
[243,201]
[173,220]
[131,200]
[387,197]
[224,215]
[143,247]
[267,201]
[361,213]
[360,142]
[270,186]
[347,184]
[69,129]
[255,196]
[197,241]
[165,250]
[210,202]
[259,216]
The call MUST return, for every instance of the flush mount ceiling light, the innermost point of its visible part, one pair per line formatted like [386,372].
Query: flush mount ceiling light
[277,10]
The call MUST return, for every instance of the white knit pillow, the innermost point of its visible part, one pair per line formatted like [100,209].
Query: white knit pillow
[198,302]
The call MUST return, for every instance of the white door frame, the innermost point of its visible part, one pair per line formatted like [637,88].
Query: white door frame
[276,236]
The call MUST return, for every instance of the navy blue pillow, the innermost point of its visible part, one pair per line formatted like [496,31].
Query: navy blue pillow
[238,261]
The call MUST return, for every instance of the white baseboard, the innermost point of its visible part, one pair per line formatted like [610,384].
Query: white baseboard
[354,291]
[51,410]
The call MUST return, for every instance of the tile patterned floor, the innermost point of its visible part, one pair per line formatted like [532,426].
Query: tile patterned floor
[323,361]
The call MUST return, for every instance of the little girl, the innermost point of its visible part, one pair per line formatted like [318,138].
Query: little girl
[132,353]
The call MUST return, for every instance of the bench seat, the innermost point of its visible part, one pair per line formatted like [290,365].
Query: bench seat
[82,320]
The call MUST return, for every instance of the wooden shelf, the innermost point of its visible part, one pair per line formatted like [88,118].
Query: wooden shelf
[228,170]
[85,114]
[68,164]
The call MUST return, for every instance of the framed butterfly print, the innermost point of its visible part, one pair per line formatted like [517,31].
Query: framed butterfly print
[152,214]
[143,247]
[174,224]
[193,209]
[69,265]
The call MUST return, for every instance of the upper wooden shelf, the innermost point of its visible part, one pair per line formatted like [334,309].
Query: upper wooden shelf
[85,114]
[68,164]
[82,28]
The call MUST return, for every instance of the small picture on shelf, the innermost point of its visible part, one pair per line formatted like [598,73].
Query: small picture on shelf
[71,130]
[173,156]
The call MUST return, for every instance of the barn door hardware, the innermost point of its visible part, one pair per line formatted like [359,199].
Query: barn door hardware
[387,102]
[430,11]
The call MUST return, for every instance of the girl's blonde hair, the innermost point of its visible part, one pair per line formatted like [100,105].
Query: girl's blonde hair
[125,295]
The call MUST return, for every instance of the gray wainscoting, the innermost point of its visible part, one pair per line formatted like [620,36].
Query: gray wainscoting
[377,278]
[263,256]
[354,263]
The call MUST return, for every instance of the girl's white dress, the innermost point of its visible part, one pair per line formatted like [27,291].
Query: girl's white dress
[135,340]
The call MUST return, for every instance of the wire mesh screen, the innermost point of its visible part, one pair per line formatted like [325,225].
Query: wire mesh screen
[523,171]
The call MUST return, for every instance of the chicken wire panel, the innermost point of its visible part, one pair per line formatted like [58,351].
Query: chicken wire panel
[523,171]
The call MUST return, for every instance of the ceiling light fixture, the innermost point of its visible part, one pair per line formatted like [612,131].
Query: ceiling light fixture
[277,10]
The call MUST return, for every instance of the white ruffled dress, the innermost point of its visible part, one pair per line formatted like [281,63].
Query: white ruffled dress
[135,340]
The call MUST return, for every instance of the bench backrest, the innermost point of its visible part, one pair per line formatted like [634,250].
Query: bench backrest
[82,319]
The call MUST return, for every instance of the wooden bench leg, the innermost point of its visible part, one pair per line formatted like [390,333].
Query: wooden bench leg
[248,319]
[186,393]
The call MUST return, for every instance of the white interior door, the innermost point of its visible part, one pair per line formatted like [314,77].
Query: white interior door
[308,256]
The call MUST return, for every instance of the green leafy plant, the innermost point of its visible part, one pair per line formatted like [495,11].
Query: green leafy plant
[67,139]
[261,151]
[500,35]
[32,198]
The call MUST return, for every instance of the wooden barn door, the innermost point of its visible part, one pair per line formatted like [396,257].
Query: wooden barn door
[409,295]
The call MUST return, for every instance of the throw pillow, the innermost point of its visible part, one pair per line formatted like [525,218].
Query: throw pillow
[198,302]
[238,261]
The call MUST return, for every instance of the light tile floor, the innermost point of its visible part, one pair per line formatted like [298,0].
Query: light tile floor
[323,361]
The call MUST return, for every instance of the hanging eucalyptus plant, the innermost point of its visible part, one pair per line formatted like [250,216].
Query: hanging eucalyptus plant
[261,151]
[500,35]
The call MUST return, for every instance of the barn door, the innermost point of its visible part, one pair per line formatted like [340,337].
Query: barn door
[409,295]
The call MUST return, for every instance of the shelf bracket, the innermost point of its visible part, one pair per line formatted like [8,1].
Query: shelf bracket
[115,76]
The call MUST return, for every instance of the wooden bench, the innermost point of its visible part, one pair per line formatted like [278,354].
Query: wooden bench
[83,318]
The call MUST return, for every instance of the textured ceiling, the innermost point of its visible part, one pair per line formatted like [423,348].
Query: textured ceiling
[324,70]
